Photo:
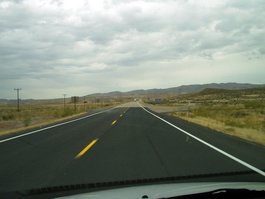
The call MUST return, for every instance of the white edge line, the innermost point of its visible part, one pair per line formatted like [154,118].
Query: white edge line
[50,127]
[209,145]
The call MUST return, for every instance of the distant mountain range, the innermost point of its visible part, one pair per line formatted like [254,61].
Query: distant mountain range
[184,89]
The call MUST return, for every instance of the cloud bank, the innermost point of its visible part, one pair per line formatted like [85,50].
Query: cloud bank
[51,47]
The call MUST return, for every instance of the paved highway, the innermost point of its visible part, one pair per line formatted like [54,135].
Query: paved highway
[125,143]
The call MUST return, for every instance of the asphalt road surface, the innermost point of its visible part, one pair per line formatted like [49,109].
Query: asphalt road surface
[126,143]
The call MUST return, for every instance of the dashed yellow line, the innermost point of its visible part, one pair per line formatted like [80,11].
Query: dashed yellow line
[86,148]
[113,122]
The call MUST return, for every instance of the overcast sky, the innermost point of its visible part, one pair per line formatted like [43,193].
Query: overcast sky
[79,47]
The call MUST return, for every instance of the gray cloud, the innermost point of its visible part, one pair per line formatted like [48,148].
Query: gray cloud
[112,45]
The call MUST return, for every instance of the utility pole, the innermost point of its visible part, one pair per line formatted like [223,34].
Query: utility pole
[17,89]
[74,100]
[85,103]
[64,101]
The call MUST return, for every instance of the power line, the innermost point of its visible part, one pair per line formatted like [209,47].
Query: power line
[17,89]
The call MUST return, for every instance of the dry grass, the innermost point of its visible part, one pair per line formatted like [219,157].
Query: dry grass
[40,124]
[253,135]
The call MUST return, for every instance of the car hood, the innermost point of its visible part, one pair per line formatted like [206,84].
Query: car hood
[166,190]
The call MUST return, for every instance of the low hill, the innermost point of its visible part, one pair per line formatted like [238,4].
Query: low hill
[184,89]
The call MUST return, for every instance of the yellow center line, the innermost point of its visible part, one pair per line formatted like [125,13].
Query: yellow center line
[113,122]
[86,148]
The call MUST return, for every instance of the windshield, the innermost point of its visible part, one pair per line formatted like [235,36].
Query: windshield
[118,92]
